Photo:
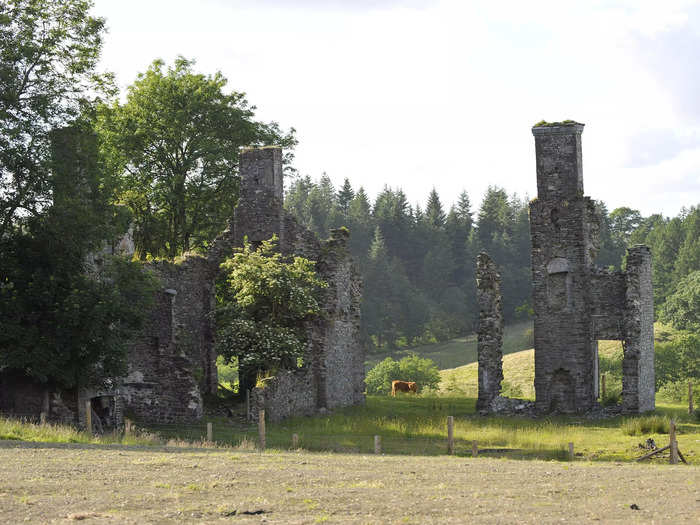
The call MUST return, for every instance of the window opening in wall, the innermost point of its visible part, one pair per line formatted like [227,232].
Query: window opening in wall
[103,413]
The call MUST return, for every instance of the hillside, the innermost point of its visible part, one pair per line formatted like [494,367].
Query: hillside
[518,373]
[519,368]
[462,350]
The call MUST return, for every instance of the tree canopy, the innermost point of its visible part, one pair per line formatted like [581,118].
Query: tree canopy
[175,142]
[48,76]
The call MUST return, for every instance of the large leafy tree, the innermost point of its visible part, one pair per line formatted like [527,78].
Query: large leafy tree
[263,301]
[62,321]
[682,308]
[48,58]
[176,142]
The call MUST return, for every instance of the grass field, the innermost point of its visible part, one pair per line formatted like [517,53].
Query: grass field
[53,483]
[461,351]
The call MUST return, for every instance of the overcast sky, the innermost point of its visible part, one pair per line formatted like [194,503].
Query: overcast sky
[419,93]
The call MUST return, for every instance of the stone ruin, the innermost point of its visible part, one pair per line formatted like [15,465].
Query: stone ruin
[172,363]
[490,333]
[575,303]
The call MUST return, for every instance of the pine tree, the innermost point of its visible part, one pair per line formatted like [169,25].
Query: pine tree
[434,213]
[344,197]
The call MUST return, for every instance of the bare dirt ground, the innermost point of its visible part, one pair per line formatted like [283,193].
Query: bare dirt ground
[52,483]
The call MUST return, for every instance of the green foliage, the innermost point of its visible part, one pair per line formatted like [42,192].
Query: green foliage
[63,326]
[677,359]
[175,141]
[682,308]
[263,301]
[49,52]
[411,368]
[677,391]
[64,321]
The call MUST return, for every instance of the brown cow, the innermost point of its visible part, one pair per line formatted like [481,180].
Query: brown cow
[403,386]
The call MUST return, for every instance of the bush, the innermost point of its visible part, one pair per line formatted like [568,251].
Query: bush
[682,307]
[677,360]
[639,426]
[677,391]
[412,368]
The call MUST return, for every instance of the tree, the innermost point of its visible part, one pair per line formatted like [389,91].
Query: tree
[434,213]
[49,52]
[66,322]
[176,142]
[344,198]
[623,221]
[682,308]
[263,301]
[494,218]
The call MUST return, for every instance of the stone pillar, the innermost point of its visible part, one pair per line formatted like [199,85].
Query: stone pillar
[259,215]
[490,338]
[261,168]
[562,258]
[638,393]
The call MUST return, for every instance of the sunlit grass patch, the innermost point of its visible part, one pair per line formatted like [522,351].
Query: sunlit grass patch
[639,426]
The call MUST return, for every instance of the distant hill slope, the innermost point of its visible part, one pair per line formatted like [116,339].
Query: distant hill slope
[518,373]
[461,351]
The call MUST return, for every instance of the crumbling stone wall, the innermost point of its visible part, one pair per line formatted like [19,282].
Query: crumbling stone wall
[333,370]
[490,332]
[576,303]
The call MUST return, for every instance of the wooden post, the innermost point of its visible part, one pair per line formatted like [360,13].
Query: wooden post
[571,451]
[295,441]
[450,435]
[42,418]
[673,443]
[602,386]
[247,405]
[88,416]
[377,444]
[475,449]
[261,428]
[127,426]
[690,397]
[210,432]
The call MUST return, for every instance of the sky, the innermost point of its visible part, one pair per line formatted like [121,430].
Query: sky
[423,94]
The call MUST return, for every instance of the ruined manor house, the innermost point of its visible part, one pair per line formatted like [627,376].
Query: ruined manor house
[575,303]
[172,363]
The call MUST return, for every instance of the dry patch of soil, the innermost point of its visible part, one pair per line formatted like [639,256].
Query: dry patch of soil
[49,483]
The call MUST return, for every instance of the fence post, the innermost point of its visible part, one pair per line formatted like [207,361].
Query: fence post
[261,428]
[210,432]
[450,435]
[673,443]
[571,451]
[88,416]
[602,386]
[377,444]
[690,397]
[42,418]
[295,441]
[247,405]
[475,449]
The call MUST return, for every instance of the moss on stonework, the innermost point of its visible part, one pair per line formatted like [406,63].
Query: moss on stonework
[545,124]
